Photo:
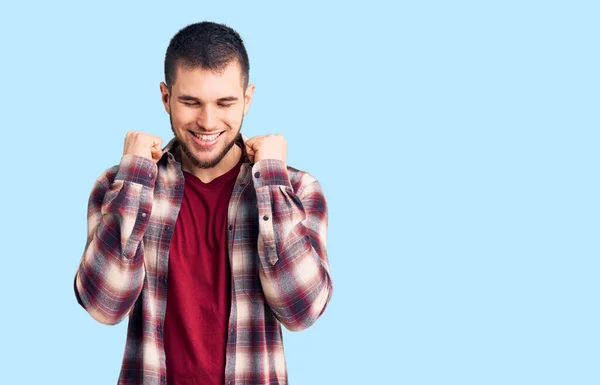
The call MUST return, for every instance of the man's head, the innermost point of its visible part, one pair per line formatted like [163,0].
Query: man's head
[206,90]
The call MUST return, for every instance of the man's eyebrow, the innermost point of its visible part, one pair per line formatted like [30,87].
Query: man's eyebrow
[228,99]
[195,99]
[188,97]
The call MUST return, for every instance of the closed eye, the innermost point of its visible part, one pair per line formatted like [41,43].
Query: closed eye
[190,101]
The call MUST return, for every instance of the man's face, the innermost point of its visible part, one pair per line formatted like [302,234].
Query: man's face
[206,111]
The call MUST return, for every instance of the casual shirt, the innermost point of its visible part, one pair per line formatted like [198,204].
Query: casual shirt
[276,241]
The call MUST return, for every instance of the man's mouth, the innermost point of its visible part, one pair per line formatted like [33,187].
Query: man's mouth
[206,139]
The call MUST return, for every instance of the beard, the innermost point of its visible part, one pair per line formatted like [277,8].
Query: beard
[205,163]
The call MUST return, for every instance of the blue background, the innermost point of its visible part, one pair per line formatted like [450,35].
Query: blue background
[457,143]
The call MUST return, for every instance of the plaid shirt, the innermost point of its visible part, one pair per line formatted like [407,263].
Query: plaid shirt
[277,225]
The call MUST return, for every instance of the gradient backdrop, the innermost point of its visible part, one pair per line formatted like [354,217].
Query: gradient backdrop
[457,143]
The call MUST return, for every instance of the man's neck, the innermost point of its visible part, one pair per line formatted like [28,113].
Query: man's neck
[207,175]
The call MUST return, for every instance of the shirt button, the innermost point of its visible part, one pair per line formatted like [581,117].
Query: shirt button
[257,174]
[230,227]
[143,215]
[266,218]
[242,184]
[151,175]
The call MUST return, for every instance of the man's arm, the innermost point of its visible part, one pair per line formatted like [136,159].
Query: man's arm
[111,272]
[294,270]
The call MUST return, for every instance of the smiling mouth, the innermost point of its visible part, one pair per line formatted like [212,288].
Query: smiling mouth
[206,141]
[205,137]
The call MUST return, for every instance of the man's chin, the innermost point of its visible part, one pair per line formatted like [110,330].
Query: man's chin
[203,162]
[205,158]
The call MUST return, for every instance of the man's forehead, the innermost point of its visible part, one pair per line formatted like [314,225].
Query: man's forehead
[232,68]
[213,84]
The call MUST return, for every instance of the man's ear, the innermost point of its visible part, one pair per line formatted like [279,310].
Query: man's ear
[165,96]
[248,97]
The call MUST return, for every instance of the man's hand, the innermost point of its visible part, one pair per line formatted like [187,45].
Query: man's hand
[266,147]
[146,145]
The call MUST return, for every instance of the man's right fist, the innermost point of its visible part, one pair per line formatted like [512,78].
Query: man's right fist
[146,145]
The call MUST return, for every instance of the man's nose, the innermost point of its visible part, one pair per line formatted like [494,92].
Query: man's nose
[207,118]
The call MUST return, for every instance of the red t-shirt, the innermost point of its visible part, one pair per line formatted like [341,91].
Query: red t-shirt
[199,284]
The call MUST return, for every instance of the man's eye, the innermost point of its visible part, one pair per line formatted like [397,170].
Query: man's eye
[190,104]
[224,105]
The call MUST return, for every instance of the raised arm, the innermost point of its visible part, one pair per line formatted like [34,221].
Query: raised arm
[294,270]
[111,272]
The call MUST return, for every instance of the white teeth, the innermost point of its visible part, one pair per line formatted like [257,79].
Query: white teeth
[206,138]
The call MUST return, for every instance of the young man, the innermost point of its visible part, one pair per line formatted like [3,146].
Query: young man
[211,243]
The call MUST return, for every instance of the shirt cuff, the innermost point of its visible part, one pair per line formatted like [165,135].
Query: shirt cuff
[270,172]
[137,169]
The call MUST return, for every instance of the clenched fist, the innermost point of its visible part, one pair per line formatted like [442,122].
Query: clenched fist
[266,147]
[146,145]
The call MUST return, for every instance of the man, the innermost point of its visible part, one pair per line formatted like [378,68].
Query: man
[211,243]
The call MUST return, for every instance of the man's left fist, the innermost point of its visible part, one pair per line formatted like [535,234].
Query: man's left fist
[266,147]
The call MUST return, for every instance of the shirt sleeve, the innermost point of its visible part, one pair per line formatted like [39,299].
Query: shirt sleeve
[294,269]
[111,272]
